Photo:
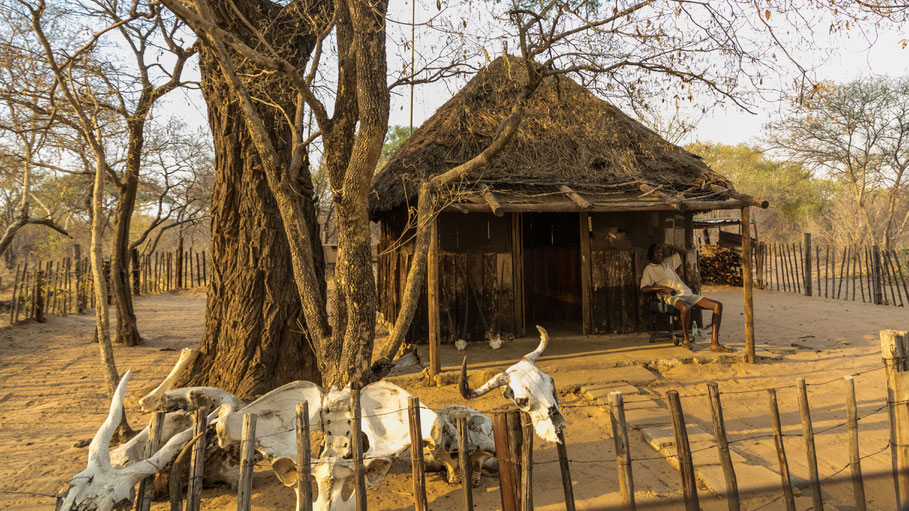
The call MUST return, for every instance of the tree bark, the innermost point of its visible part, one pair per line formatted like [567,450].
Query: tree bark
[255,338]
[127,331]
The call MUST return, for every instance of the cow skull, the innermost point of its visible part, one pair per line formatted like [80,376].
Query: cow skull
[442,442]
[532,390]
[102,487]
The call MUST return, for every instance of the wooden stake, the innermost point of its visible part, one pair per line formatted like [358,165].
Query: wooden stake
[799,267]
[622,452]
[247,462]
[686,467]
[827,270]
[808,435]
[515,445]
[527,463]
[843,266]
[198,271]
[14,301]
[855,463]
[432,300]
[77,280]
[565,469]
[506,465]
[876,274]
[894,352]
[719,431]
[189,263]
[356,444]
[781,451]
[860,274]
[204,269]
[134,271]
[464,462]
[776,266]
[891,277]
[747,286]
[418,473]
[899,268]
[146,486]
[194,490]
[806,264]
[304,459]
[178,264]
[40,295]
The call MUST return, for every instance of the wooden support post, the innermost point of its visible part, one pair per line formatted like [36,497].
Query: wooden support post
[527,463]
[40,295]
[247,462]
[894,351]
[506,464]
[683,450]
[464,462]
[137,283]
[747,287]
[781,451]
[808,435]
[565,469]
[719,431]
[146,486]
[876,275]
[418,473]
[432,301]
[356,444]
[855,463]
[515,446]
[622,452]
[194,490]
[517,268]
[304,462]
[586,290]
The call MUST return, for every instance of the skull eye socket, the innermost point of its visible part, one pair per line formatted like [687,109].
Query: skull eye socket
[522,402]
[508,393]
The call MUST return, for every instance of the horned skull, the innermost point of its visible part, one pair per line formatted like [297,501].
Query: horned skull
[103,487]
[441,445]
[532,390]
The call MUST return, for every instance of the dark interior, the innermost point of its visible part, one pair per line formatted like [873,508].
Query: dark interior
[552,268]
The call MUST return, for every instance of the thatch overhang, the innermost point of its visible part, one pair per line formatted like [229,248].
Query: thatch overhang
[572,152]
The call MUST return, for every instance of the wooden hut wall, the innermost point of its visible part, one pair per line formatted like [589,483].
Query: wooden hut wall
[618,255]
[391,274]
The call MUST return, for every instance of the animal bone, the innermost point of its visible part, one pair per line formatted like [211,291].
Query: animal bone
[102,487]
[194,398]
[442,442]
[532,390]
[153,400]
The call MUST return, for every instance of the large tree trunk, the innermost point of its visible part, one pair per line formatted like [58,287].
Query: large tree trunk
[127,332]
[255,338]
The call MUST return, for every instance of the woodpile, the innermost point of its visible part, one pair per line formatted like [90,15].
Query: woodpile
[719,266]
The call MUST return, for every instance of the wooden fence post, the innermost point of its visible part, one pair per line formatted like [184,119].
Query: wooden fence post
[178,264]
[464,462]
[894,351]
[565,469]
[418,473]
[515,446]
[622,452]
[719,431]
[247,462]
[78,269]
[146,486]
[14,300]
[506,465]
[747,287]
[781,451]
[683,451]
[356,444]
[432,301]
[806,264]
[304,459]
[194,490]
[137,283]
[808,435]
[855,463]
[204,269]
[527,463]
[40,295]
[876,275]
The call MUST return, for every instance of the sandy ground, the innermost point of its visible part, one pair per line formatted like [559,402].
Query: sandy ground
[52,395]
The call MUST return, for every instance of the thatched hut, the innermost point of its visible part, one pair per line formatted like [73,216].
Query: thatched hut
[556,228]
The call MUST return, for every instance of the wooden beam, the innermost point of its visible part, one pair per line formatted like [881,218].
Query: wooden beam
[672,200]
[432,299]
[752,201]
[600,207]
[577,199]
[491,200]
[746,286]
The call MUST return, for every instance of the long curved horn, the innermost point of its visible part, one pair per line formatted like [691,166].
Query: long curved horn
[544,341]
[99,449]
[468,393]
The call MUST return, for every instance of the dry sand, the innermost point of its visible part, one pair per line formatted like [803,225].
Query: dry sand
[52,395]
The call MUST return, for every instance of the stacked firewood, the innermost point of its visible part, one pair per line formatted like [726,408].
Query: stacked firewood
[719,266]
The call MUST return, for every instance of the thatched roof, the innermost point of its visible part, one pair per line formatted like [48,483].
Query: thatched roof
[568,137]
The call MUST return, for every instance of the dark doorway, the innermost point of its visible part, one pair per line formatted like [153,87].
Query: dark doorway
[552,269]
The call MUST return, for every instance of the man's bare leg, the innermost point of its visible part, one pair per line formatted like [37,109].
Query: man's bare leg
[685,317]
[717,309]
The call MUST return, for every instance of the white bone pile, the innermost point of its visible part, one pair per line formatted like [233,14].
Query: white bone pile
[109,479]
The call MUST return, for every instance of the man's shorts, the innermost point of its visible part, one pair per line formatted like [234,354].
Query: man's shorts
[691,300]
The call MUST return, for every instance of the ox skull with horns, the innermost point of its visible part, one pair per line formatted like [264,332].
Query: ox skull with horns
[532,390]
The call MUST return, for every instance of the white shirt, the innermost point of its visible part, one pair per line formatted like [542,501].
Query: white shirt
[664,274]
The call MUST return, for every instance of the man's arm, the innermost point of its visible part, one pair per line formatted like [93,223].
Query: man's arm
[664,289]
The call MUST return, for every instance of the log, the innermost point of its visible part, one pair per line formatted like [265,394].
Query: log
[491,200]
[194,491]
[855,463]
[464,462]
[671,200]
[356,444]
[747,287]
[506,465]
[719,431]
[418,473]
[146,487]
[247,462]
[601,206]
[303,487]
[577,199]
[786,482]
[683,450]
[527,463]
[752,201]
[622,453]
[811,453]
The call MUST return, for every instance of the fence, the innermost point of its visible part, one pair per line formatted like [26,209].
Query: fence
[514,434]
[66,286]
[847,273]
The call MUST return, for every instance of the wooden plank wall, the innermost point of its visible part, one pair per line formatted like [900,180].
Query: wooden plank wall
[616,299]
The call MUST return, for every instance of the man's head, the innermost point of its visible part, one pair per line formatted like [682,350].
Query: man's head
[655,253]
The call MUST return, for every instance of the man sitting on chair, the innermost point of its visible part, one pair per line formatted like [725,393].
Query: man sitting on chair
[660,276]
